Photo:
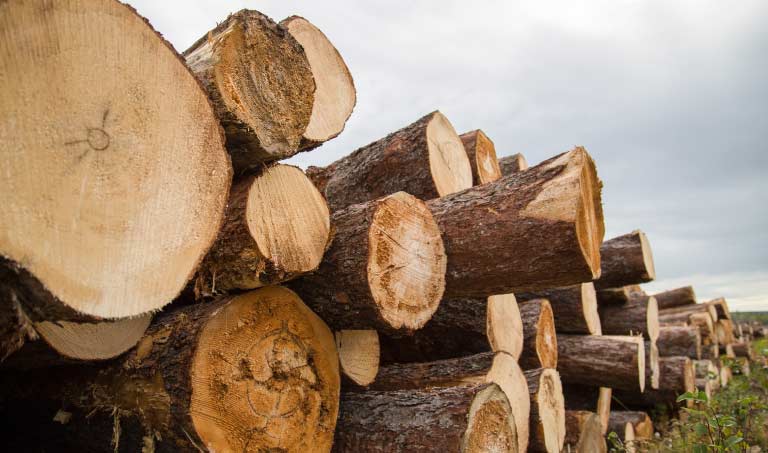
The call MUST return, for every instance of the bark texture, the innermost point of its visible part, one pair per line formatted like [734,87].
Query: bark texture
[609,361]
[677,377]
[512,164]
[625,260]
[482,157]
[547,432]
[639,315]
[679,341]
[574,307]
[539,337]
[676,297]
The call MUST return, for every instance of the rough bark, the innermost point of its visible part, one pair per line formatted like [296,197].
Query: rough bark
[574,307]
[385,268]
[679,341]
[482,157]
[639,315]
[677,377]
[531,230]
[547,419]
[358,355]
[589,398]
[621,295]
[512,164]
[683,313]
[260,83]
[676,297]
[641,423]
[584,432]
[425,159]
[625,260]
[609,361]
[539,337]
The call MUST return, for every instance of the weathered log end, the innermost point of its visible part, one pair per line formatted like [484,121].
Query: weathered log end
[589,308]
[358,355]
[504,327]
[539,337]
[547,417]
[93,341]
[482,157]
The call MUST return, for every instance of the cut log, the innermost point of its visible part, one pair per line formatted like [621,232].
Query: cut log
[461,327]
[500,368]
[621,295]
[358,355]
[743,349]
[640,315]
[625,260]
[640,421]
[589,398]
[652,370]
[425,159]
[531,230]
[680,341]
[684,312]
[722,308]
[574,307]
[724,332]
[470,418]
[609,361]
[705,324]
[335,95]
[261,85]
[111,197]
[726,350]
[385,268]
[676,297]
[710,352]
[677,377]
[584,432]
[276,227]
[547,419]
[482,157]
[512,164]
[539,337]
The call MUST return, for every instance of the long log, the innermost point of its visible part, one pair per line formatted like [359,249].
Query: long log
[590,398]
[676,297]
[482,157]
[474,417]
[677,377]
[642,424]
[512,164]
[620,295]
[359,354]
[536,229]
[679,341]
[539,337]
[547,419]
[625,260]
[385,268]
[574,307]
[584,432]
[425,159]
[609,361]
[640,315]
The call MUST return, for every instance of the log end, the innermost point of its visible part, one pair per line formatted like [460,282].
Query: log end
[591,438]
[506,373]
[652,318]
[649,266]
[546,338]
[550,406]
[448,161]
[605,396]
[359,355]
[589,308]
[503,324]
[512,164]
[482,155]
[490,423]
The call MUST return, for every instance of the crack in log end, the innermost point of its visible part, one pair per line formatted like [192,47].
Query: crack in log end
[490,424]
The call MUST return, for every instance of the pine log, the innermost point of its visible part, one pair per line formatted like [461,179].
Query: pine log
[358,355]
[482,157]
[705,324]
[469,418]
[625,260]
[584,432]
[639,315]
[536,229]
[677,377]
[539,337]
[680,341]
[547,419]
[260,83]
[743,349]
[574,307]
[724,332]
[257,372]
[640,421]
[684,312]
[425,159]
[609,361]
[722,308]
[621,295]
[586,397]
[512,164]
[335,94]
[276,227]
[385,268]
[652,369]
[676,297]
[461,327]
[110,196]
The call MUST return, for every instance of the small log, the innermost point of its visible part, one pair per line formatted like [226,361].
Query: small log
[722,308]
[743,349]
[707,370]
[385,268]
[642,424]
[683,313]
[584,432]
[474,417]
[540,227]
[640,315]
[621,295]
[425,159]
[726,374]
[482,157]
[594,399]
[626,260]
[609,361]
[512,164]
[704,322]
[676,297]
[710,352]
[574,307]
[539,337]
[260,83]
[358,355]
[724,332]
[547,419]
[276,228]
[652,370]
[727,351]
[677,377]
[680,341]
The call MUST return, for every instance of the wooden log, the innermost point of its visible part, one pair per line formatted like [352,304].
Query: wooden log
[626,260]
[726,350]
[620,295]
[512,164]
[335,94]
[482,157]
[724,332]
[706,327]
[461,327]
[474,417]
[642,424]
[385,268]
[680,341]
[358,355]
[276,227]
[683,313]
[584,432]
[710,352]
[256,372]
[609,361]
[743,349]
[260,83]
[540,227]
[498,368]
[640,315]
[722,308]
[111,198]
[677,377]
[574,307]
[547,419]
[652,369]
[707,370]
[590,398]
[425,159]
[676,297]
[539,337]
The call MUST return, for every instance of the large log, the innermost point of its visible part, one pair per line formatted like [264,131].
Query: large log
[512,164]
[539,337]
[385,268]
[589,398]
[276,227]
[680,341]
[609,361]
[482,157]
[547,419]
[425,159]
[335,95]
[257,372]
[358,355]
[625,260]
[676,297]
[584,432]
[540,228]
[574,307]
[641,423]
[640,315]
[260,83]
[110,197]
[620,295]
[468,418]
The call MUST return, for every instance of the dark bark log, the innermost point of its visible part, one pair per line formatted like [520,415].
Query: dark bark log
[584,432]
[679,341]
[539,337]
[574,307]
[625,260]
[589,398]
[641,423]
[608,361]
[639,315]
[621,295]
[512,164]
[547,419]
[676,297]
[482,157]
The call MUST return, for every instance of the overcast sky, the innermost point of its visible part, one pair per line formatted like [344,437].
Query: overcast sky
[669,97]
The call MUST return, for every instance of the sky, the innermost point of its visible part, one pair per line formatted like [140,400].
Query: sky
[669,97]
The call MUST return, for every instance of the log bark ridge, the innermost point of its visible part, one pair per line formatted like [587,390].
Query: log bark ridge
[617,362]
[679,341]
[626,260]
[574,307]
[512,164]
[547,411]
[482,157]
[640,315]
[677,297]
[539,337]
